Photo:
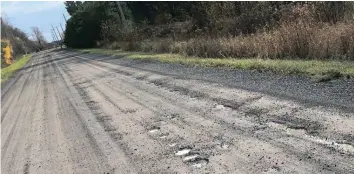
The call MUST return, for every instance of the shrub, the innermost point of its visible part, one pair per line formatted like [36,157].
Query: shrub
[303,30]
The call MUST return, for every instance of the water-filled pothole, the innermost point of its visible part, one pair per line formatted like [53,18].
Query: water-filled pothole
[219,107]
[223,145]
[345,148]
[190,158]
[154,129]
[199,162]
[182,152]
[163,137]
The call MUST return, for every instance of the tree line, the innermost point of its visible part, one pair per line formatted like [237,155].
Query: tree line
[95,24]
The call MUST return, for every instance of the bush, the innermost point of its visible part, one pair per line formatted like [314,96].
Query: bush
[270,30]
[291,40]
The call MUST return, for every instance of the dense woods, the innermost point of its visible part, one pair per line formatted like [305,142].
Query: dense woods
[306,30]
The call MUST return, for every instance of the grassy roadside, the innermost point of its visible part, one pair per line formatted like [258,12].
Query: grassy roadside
[319,70]
[7,72]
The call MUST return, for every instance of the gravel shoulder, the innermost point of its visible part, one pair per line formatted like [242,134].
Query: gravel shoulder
[69,112]
[336,93]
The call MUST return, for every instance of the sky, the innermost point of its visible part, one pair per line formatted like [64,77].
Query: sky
[42,14]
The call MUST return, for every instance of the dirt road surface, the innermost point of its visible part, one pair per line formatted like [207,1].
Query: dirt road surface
[69,112]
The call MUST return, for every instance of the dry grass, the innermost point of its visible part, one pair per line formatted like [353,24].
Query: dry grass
[7,72]
[316,68]
[300,46]
[294,40]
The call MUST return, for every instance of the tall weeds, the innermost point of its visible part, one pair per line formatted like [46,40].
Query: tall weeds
[298,36]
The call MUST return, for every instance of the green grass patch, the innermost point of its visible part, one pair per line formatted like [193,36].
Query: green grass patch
[315,68]
[7,72]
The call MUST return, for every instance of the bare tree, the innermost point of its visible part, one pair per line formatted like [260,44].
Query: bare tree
[38,37]
[18,39]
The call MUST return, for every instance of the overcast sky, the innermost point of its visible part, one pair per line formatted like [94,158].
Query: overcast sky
[42,14]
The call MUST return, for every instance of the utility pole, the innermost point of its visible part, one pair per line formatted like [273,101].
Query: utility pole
[55,36]
[54,40]
[59,33]
[61,28]
[65,18]
[60,42]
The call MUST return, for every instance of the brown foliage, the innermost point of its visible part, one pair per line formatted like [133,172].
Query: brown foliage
[305,30]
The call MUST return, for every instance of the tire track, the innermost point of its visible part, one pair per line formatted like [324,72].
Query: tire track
[96,117]
[145,102]
[107,121]
[23,86]
[260,116]
[29,143]
[9,137]
[19,126]
[92,129]
[27,164]
[136,100]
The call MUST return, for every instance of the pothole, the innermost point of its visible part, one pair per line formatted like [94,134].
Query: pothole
[194,159]
[311,127]
[199,162]
[223,145]
[220,107]
[129,111]
[103,118]
[172,144]
[154,130]
[345,148]
[174,115]
[141,77]
[190,158]
[163,137]
[182,152]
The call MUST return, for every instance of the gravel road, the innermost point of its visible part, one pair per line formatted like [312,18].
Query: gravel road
[70,112]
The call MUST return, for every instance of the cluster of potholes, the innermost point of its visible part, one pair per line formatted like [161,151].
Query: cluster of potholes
[196,159]
[187,153]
